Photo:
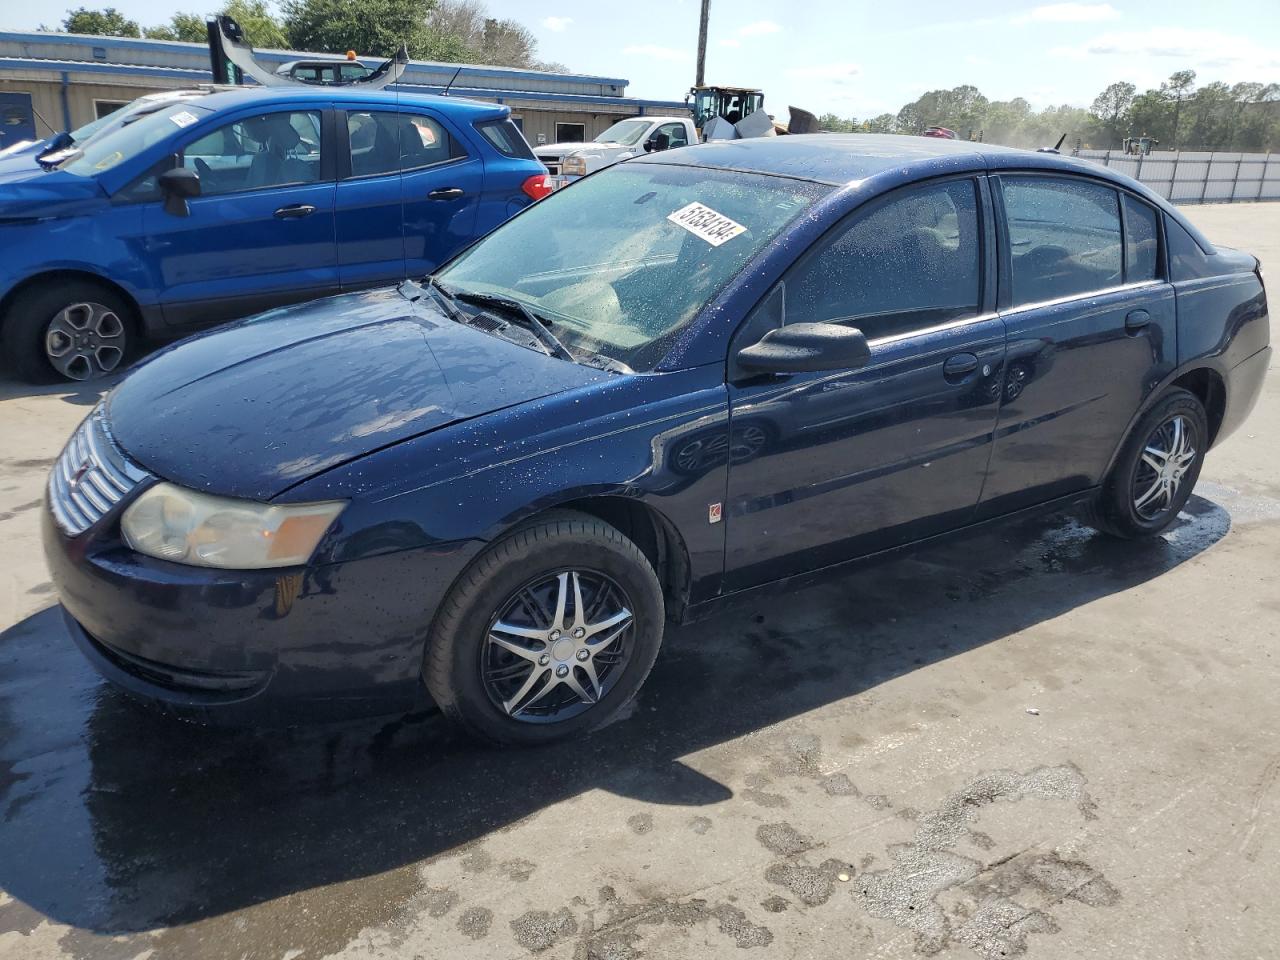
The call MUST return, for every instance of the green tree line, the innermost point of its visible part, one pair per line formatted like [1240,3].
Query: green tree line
[1178,115]
[458,31]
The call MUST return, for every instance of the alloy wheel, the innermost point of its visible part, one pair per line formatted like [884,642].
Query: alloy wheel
[1166,457]
[557,646]
[85,341]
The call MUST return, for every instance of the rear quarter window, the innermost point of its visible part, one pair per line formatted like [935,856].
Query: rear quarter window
[1186,260]
[506,138]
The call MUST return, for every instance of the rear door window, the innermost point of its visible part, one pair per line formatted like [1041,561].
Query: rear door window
[908,264]
[389,142]
[1064,237]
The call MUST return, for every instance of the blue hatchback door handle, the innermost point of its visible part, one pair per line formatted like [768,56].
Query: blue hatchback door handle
[1136,319]
[960,365]
[446,193]
[295,211]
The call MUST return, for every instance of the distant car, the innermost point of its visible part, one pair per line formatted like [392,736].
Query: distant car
[324,72]
[693,375]
[28,156]
[213,208]
[942,133]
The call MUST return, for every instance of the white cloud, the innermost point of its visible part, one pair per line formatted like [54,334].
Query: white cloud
[655,52]
[1235,56]
[730,42]
[557,24]
[833,72]
[758,29]
[1070,13]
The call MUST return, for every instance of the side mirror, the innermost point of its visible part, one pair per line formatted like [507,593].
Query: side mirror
[806,348]
[657,142]
[178,186]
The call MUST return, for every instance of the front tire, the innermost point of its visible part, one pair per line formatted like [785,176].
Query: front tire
[548,634]
[1157,469]
[75,331]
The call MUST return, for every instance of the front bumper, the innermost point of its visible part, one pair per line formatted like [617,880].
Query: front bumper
[283,645]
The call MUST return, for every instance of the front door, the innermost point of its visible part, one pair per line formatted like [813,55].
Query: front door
[1092,328]
[829,466]
[261,232]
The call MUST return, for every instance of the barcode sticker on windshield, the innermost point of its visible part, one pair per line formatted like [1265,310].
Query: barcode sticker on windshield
[715,228]
[184,119]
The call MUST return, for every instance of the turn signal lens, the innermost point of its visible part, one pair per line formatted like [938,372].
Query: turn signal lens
[538,186]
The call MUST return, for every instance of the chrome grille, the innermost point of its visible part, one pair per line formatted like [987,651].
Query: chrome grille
[90,477]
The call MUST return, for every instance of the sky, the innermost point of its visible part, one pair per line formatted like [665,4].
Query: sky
[861,58]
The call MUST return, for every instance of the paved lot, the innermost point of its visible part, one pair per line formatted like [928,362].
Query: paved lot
[849,771]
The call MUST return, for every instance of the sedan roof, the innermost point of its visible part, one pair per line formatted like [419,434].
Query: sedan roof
[844,159]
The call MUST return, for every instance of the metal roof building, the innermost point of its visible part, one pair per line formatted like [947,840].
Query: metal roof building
[59,81]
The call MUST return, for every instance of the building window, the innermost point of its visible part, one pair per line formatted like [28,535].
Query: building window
[571,132]
[103,107]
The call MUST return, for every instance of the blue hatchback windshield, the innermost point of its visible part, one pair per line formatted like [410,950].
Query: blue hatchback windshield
[621,262]
[112,149]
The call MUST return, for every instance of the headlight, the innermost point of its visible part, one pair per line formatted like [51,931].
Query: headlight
[574,166]
[184,526]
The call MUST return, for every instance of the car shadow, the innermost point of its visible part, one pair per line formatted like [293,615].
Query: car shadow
[118,819]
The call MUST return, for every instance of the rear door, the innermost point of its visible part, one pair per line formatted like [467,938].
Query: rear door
[828,466]
[260,234]
[443,181]
[1092,328]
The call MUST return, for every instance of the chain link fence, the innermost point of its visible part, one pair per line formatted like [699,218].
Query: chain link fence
[1198,177]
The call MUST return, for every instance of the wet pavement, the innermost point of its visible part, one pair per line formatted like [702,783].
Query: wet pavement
[1034,741]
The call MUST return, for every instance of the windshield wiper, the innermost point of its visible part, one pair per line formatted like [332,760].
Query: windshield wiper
[532,322]
[444,298]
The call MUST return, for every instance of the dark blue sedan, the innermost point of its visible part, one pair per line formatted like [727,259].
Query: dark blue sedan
[222,204]
[690,376]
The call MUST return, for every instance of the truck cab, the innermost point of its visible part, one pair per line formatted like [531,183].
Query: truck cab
[631,137]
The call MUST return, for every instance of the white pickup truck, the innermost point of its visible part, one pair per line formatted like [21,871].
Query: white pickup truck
[567,162]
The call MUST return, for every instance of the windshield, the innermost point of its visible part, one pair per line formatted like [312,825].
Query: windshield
[625,132]
[623,261]
[115,146]
[81,134]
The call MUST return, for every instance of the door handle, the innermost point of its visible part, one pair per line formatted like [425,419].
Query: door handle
[295,211]
[446,193]
[1136,319]
[960,365]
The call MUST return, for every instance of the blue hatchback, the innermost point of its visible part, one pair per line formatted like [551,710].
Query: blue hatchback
[224,205]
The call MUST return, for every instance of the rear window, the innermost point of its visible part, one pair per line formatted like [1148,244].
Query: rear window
[506,138]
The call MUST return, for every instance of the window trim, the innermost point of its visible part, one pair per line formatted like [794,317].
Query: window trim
[342,142]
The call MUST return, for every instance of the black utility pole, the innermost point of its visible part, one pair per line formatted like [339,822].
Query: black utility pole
[702,43]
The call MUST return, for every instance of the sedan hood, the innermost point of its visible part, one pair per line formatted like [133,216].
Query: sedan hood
[253,409]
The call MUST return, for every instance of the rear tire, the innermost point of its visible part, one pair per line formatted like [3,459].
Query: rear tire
[1156,470]
[77,331]
[502,665]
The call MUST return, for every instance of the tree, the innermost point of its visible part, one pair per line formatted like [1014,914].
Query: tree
[181,26]
[1176,89]
[260,27]
[885,123]
[1111,107]
[108,22]
[463,31]
[373,27]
